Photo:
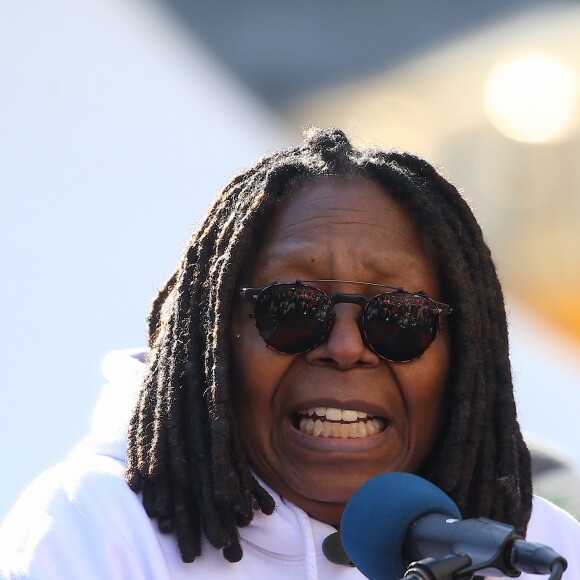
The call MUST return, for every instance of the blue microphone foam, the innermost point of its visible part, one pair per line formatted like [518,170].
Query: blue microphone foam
[378,515]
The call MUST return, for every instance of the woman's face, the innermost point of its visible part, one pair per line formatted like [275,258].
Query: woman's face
[346,229]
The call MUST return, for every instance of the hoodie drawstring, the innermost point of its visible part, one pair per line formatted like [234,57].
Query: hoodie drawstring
[308,538]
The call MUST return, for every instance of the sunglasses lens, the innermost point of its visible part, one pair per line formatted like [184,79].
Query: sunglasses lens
[292,318]
[399,327]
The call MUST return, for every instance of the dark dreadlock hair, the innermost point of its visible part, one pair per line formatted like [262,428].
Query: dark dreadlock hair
[184,452]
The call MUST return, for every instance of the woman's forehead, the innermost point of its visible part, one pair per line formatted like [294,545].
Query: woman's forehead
[337,202]
[343,223]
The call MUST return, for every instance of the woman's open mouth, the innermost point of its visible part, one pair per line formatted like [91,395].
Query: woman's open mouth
[338,423]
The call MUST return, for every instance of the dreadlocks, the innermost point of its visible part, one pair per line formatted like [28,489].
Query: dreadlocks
[184,453]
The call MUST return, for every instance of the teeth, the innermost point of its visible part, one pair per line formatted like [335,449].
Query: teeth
[361,429]
[348,415]
[334,414]
[348,430]
[317,428]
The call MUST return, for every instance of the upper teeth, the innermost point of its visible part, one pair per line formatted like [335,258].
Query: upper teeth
[334,414]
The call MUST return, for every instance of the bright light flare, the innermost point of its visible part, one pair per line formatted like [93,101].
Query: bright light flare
[532,99]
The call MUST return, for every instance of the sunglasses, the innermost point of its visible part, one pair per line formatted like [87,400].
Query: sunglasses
[396,325]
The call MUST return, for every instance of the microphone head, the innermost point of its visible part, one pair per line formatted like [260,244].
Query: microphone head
[378,515]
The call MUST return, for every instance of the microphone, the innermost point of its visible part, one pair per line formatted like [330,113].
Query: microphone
[398,518]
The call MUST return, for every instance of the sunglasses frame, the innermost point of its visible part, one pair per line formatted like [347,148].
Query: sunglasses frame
[252,293]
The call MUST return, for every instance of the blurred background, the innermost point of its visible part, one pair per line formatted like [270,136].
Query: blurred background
[121,119]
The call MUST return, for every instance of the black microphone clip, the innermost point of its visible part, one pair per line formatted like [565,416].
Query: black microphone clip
[485,541]
[447,568]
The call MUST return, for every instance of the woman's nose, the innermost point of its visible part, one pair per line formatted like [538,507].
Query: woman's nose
[344,348]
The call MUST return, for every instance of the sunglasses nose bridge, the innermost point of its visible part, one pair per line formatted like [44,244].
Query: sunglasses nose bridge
[340,342]
[340,298]
[348,299]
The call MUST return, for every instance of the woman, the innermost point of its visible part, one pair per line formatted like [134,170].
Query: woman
[336,315]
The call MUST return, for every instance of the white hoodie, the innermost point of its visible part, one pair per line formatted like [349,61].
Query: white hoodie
[80,520]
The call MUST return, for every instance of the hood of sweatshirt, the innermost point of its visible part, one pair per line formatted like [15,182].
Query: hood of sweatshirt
[123,371]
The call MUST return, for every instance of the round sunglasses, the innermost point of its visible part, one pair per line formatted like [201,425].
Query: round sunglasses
[396,325]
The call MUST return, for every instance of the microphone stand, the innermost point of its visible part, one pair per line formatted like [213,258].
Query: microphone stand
[447,568]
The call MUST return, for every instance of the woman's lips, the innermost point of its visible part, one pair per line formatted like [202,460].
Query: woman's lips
[333,422]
